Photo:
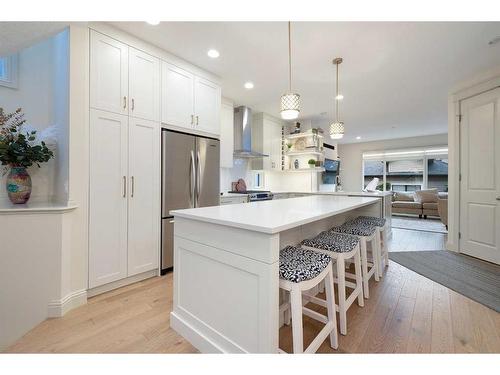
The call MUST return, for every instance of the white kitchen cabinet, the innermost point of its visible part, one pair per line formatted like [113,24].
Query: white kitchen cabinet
[177,96]
[207,105]
[108,197]
[233,199]
[226,134]
[144,85]
[189,102]
[108,73]
[267,139]
[143,197]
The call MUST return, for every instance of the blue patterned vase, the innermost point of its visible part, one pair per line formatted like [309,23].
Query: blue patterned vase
[18,185]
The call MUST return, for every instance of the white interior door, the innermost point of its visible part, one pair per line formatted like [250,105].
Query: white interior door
[144,85]
[108,74]
[207,105]
[144,196]
[177,106]
[108,198]
[480,180]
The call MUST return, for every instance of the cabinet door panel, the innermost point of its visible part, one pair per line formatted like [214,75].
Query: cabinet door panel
[108,201]
[144,196]
[177,106]
[108,74]
[207,105]
[144,85]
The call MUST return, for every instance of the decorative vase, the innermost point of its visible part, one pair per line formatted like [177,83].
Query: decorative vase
[18,185]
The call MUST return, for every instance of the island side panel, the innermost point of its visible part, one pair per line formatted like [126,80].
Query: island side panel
[226,288]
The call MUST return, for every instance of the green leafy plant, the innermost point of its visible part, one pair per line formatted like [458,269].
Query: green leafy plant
[18,148]
[311,162]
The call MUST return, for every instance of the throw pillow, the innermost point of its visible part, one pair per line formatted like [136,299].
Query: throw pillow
[426,196]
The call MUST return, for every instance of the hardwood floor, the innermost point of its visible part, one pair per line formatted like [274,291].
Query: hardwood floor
[406,313]
[414,240]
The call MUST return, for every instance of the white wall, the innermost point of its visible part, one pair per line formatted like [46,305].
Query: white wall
[42,94]
[351,160]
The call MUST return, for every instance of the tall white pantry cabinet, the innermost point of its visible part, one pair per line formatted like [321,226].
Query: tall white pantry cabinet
[124,161]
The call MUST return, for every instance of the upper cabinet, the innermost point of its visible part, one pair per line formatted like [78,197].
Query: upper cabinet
[108,74]
[123,79]
[144,85]
[189,102]
[226,134]
[207,102]
[177,96]
[267,139]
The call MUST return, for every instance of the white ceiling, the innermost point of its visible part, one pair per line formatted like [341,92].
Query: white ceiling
[395,77]
[15,36]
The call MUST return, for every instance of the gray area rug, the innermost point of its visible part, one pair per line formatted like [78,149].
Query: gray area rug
[426,225]
[473,278]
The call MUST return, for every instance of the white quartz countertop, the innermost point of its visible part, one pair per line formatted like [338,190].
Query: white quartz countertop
[339,193]
[275,216]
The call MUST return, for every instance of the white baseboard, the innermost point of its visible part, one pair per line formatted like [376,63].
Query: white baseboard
[60,307]
[123,282]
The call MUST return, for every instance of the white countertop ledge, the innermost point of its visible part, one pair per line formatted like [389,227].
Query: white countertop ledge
[31,208]
[275,216]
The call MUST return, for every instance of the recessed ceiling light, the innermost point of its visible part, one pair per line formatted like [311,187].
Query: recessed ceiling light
[358,137]
[213,53]
[154,23]
[248,85]
[339,97]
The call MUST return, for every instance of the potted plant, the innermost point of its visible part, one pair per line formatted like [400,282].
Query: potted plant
[18,151]
[289,145]
[312,163]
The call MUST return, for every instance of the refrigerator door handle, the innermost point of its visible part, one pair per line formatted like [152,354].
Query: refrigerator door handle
[198,179]
[192,179]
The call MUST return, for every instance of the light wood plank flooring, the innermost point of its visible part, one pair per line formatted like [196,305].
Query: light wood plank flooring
[406,313]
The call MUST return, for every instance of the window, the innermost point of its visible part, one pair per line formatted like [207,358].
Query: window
[8,71]
[407,170]
[437,173]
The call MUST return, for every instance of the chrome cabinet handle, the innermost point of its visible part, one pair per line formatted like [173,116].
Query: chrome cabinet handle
[124,102]
[132,190]
[192,119]
[197,118]
[133,104]
[124,186]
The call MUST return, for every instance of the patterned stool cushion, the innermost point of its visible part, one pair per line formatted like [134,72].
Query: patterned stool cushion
[331,241]
[297,264]
[377,221]
[356,228]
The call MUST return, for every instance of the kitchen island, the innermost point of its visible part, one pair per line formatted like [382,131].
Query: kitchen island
[226,258]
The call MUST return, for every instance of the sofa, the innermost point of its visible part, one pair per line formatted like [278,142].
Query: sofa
[422,203]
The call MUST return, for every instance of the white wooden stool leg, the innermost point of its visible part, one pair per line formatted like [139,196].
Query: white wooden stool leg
[364,266]
[286,317]
[359,277]
[330,305]
[386,248]
[375,243]
[342,304]
[297,333]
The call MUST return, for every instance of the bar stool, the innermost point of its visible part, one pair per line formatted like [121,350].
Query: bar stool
[340,247]
[366,233]
[300,270]
[383,228]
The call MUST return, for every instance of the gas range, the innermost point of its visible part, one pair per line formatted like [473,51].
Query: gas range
[256,195]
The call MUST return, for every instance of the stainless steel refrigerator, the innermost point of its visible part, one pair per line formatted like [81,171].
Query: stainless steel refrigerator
[190,178]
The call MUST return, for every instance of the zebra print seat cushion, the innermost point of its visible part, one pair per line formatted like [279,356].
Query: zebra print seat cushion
[297,264]
[331,241]
[377,221]
[356,228]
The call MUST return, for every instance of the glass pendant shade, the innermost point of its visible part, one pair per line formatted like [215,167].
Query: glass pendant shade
[337,130]
[290,106]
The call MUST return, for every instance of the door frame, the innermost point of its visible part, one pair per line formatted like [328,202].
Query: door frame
[476,86]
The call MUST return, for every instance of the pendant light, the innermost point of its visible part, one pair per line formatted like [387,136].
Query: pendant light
[290,102]
[337,127]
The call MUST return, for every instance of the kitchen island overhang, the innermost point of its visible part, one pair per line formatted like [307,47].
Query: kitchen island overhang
[226,259]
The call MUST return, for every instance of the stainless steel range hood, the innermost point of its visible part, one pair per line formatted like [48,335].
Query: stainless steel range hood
[243,134]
